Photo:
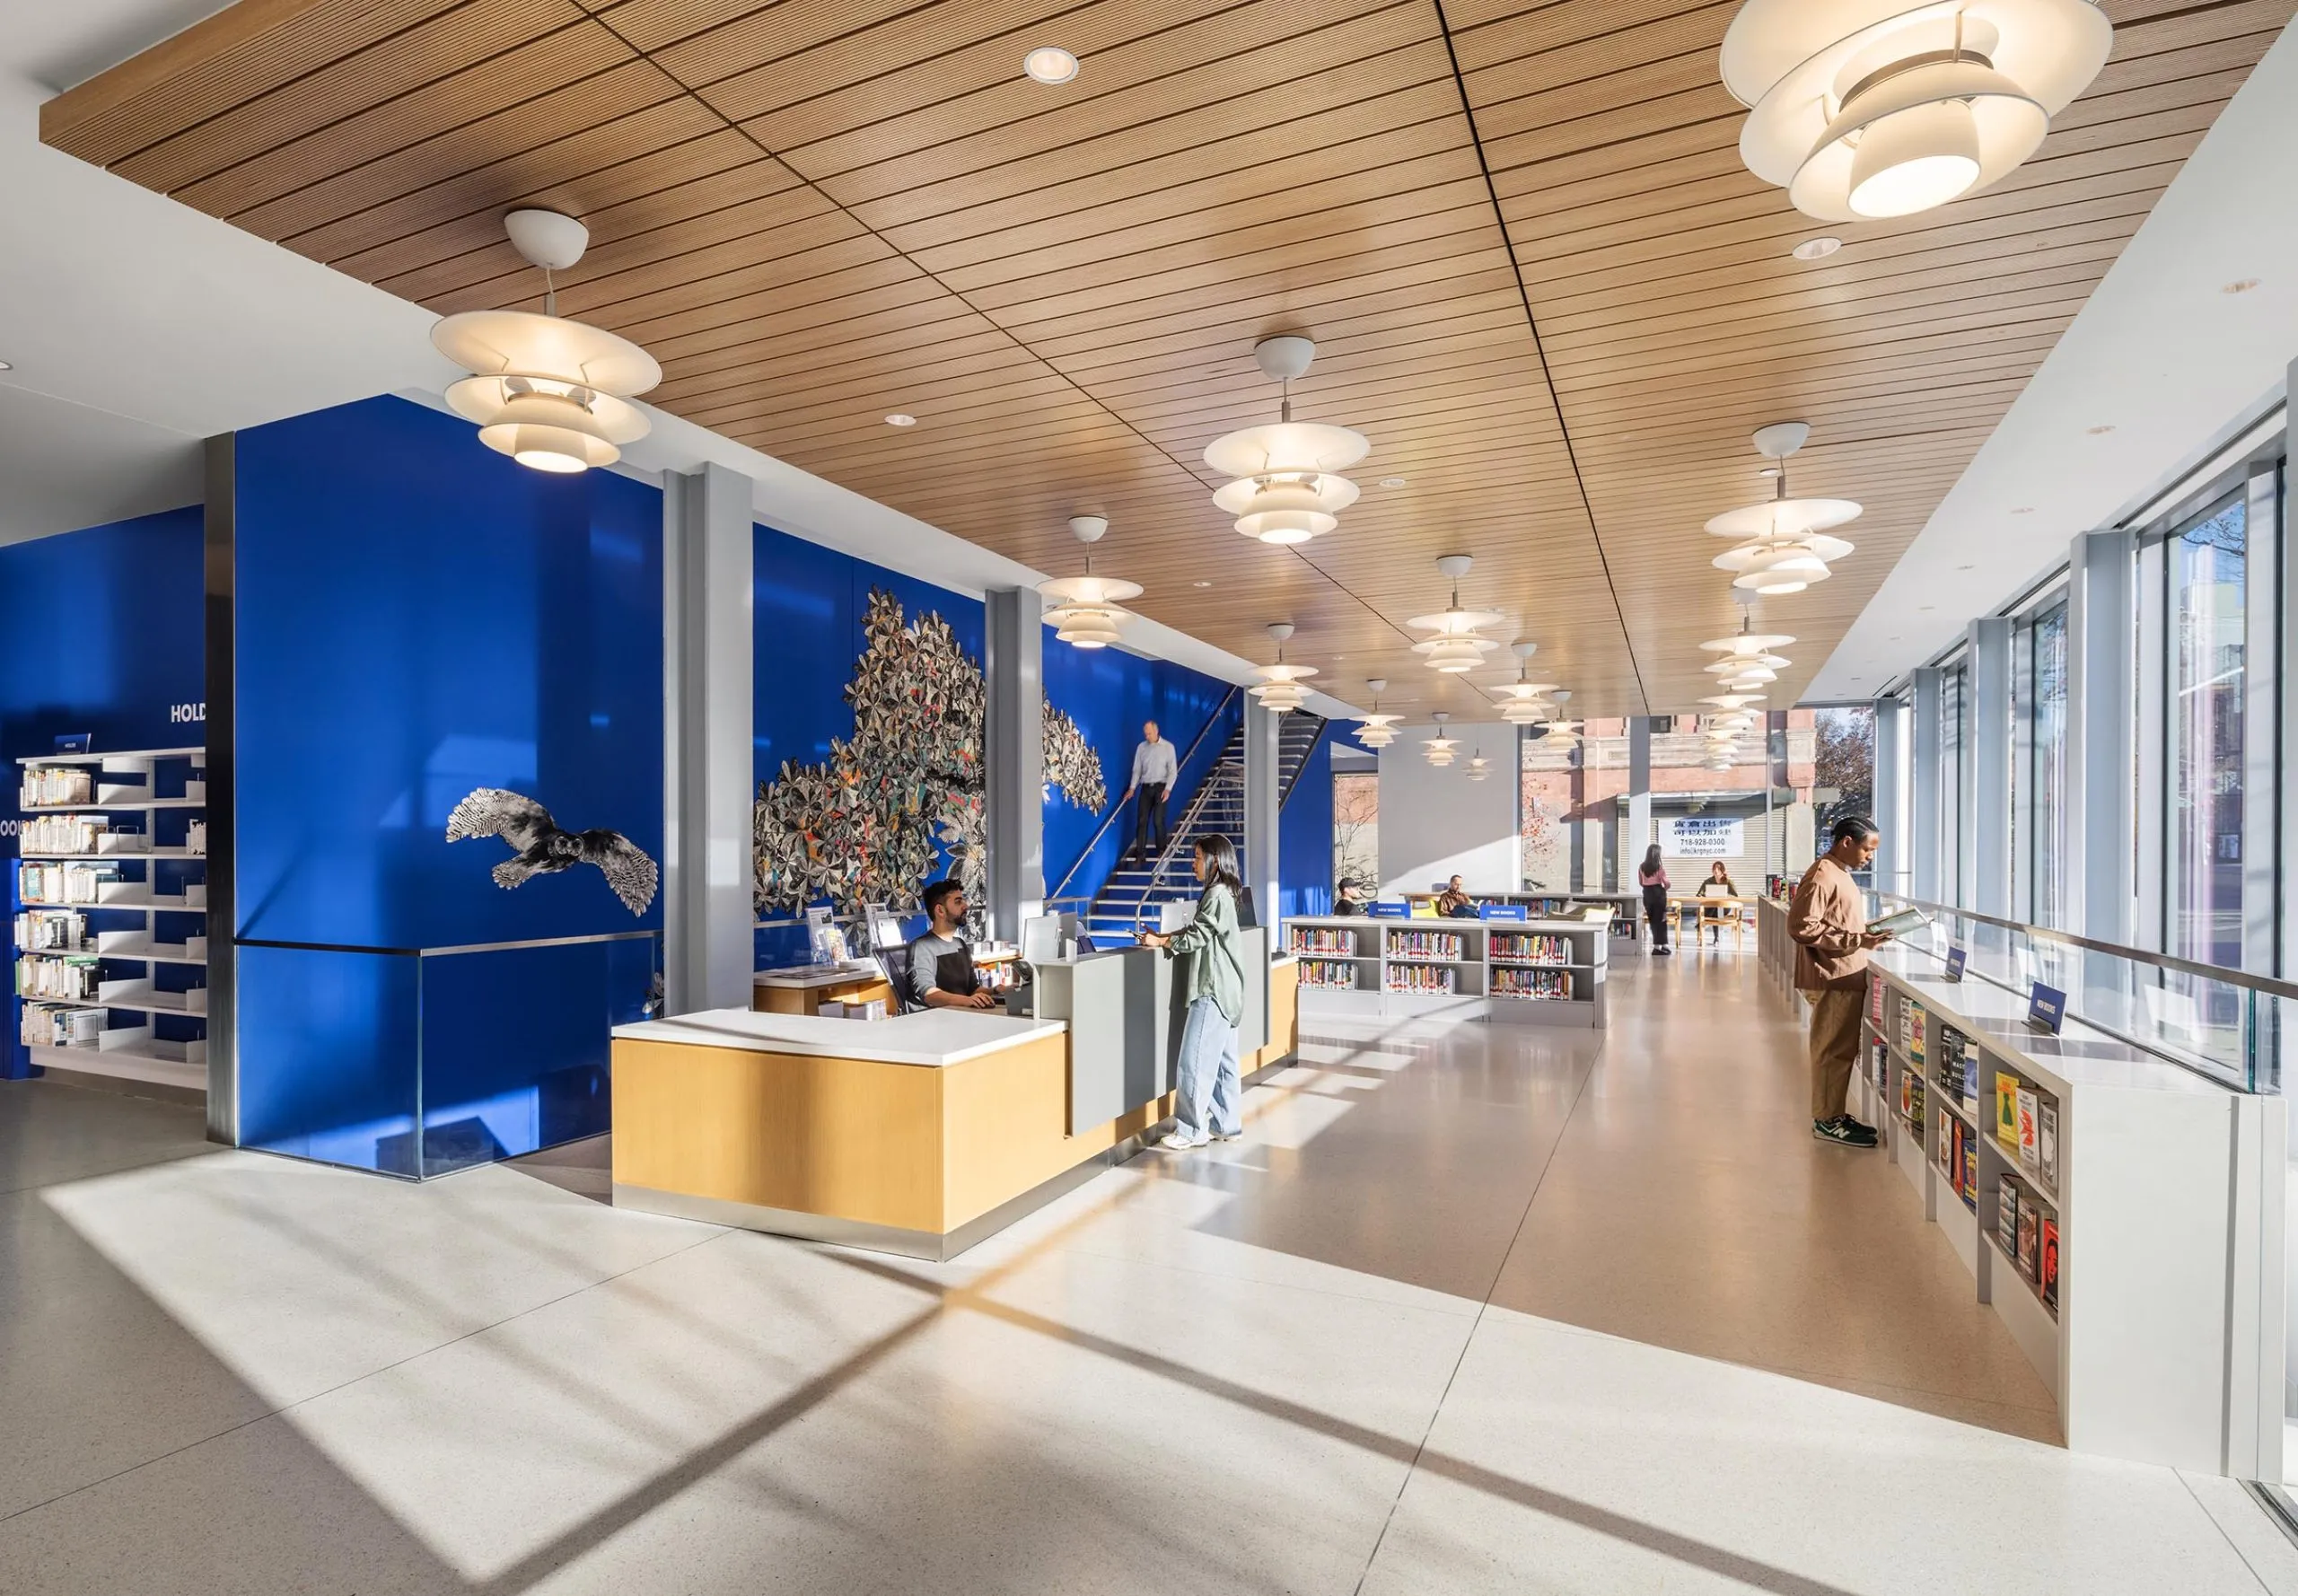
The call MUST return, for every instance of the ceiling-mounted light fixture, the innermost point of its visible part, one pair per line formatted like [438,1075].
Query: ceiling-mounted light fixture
[1280,688]
[1050,64]
[1883,107]
[1523,700]
[1378,728]
[1560,733]
[1084,612]
[1480,766]
[1788,548]
[550,393]
[1746,642]
[1458,646]
[1285,489]
[1440,747]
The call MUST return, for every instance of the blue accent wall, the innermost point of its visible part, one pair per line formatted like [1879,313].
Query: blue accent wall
[107,637]
[1109,693]
[417,616]
[1304,836]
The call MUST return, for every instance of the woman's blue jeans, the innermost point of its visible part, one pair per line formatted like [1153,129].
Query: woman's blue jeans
[1208,1094]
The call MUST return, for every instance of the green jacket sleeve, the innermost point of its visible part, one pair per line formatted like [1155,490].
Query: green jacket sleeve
[1217,919]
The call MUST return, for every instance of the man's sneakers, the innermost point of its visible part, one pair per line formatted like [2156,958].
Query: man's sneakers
[1845,1131]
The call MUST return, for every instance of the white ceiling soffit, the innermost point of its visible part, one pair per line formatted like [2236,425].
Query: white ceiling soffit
[136,327]
[2161,355]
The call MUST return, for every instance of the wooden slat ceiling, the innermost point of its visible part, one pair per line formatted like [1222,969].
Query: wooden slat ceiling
[1538,277]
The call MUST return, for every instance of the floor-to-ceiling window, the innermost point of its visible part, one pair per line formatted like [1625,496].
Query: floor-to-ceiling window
[1952,692]
[2202,895]
[2046,817]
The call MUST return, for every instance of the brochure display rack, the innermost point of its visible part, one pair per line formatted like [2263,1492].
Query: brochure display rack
[110,906]
[1539,972]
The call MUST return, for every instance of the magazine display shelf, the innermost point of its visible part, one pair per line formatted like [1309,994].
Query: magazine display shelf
[154,1026]
[1382,953]
[2143,1347]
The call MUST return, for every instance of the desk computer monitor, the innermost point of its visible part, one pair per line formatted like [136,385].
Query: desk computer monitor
[1041,938]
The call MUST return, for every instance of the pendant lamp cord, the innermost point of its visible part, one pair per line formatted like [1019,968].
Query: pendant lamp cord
[549,294]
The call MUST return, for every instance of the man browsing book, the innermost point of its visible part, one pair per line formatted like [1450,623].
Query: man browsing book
[1827,919]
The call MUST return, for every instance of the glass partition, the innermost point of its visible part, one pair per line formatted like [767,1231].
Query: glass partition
[2046,787]
[2203,880]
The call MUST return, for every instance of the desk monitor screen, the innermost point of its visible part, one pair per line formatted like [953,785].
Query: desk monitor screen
[885,929]
[1041,938]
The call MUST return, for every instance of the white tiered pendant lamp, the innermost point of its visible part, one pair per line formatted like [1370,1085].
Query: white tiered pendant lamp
[1379,729]
[1440,748]
[1880,108]
[1280,688]
[1084,612]
[1458,646]
[1788,548]
[550,393]
[1559,731]
[1480,767]
[1285,489]
[1522,702]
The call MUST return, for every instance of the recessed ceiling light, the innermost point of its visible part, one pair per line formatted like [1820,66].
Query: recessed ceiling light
[899,419]
[1200,584]
[1963,567]
[1050,64]
[2023,509]
[1816,248]
[1926,608]
[2100,431]
[1391,482]
[2239,285]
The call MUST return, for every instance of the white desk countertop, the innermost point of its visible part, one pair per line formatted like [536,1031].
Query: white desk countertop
[932,1039]
[845,975]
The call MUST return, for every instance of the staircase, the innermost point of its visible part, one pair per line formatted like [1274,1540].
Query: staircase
[1127,899]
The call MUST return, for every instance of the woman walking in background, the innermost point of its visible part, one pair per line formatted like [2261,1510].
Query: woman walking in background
[1208,1096]
[1654,879]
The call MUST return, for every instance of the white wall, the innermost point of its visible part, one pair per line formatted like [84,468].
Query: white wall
[1435,823]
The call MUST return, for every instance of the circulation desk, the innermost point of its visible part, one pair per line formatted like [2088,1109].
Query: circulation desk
[918,1135]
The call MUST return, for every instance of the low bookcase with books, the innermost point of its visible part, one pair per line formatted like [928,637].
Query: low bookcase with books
[1519,972]
[109,915]
[2084,1185]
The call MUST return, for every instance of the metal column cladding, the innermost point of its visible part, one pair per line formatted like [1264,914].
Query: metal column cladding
[1013,758]
[1987,767]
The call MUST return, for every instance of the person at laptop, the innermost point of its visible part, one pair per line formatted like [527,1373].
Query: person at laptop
[941,964]
[1454,903]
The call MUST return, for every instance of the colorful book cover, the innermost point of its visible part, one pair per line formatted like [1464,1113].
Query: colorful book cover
[2030,1157]
[1906,1095]
[1970,1075]
[2047,1264]
[1915,1032]
[2030,1253]
[1921,1099]
[1875,1000]
[1970,1171]
[1943,1142]
[2006,1112]
[2006,1215]
[2046,1140]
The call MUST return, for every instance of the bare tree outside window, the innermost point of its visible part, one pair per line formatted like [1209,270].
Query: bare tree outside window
[1356,829]
[1843,764]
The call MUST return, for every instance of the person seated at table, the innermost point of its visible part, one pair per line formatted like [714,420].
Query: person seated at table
[1347,900]
[1454,903]
[1718,884]
[942,975]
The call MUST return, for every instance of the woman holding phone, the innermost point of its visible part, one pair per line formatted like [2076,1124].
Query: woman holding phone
[1207,1099]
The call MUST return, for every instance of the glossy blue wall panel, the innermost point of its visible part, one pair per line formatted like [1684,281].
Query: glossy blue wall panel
[418,616]
[1109,693]
[328,1049]
[106,637]
[1304,836]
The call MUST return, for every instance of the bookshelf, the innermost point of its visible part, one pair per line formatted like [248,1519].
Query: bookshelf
[1537,972]
[1626,930]
[2125,1162]
[109,915]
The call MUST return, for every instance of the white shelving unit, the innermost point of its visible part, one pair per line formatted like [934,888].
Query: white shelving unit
[2152,1189]
[136,929]
[1384,955]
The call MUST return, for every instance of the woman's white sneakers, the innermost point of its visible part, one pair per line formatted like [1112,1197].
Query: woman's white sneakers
[1174,1141]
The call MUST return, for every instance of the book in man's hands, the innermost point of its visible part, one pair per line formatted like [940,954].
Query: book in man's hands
[1900,922]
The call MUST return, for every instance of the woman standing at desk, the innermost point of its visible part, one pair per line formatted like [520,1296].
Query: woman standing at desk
[1207,1104]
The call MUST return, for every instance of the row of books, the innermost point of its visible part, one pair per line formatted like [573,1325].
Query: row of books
[51,931]
[1332,977]
[62,883]
[1521,948]
[71,978]
[46,1025]
[1323,939]
[2028,1231]
[46,787]
[1425,944]
[1954,1147]
[1543,985]
[195,837]
[2026,1124]
[1433,979]
[72,834]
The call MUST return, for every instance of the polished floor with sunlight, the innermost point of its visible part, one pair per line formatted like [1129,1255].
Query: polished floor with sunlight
[1479,1309]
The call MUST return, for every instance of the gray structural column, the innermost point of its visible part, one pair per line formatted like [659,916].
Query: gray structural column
[1986,766]
[220,563]
[1261,775]
[1013,761]
[1926,869]
[1890,816]
[1636,834]
[2101,747]
[709,780]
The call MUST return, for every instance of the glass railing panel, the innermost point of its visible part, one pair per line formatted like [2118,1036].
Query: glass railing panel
[330,1073]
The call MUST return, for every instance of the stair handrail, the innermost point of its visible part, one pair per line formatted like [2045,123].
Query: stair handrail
[1308,753]
[1184,832]
[1118,807]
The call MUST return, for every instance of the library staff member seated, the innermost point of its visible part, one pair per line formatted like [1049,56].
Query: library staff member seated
[941,964]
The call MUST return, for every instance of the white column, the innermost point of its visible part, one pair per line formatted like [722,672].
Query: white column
[1986,766]
[1893,873]
[1638,834]
[1261,777]
[2101,747]
[709,780]
[1926,869]
[1013,760]
[2262,929]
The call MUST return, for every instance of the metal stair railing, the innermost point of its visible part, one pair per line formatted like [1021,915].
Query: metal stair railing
[1225,772]
[1293,778]
[1055,898]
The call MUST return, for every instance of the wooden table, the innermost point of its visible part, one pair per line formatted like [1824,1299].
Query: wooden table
[1709,911]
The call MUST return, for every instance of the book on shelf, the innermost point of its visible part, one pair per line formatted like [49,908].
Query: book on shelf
[2006,1216]
[51,931]
[1879,1067]
[1324,939]
[1912,1018]
[2028,1099]
[1426,944]
[65,978]
[63,883]
[2006,1112]
[47,1025]
[2046,1262]
[2029,1251]
[1970,1188]
[1544,985]
[46,787]
[1328,976]
[1433,980]
[1875,989]
[1918,1100]
[2046,1140]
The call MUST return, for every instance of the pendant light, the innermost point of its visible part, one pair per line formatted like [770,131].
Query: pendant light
[1285,489]
[552,394]
[1522,700]
[1084,611]
[1280,688]
[1480,766]
[1788,548]
[1378,729]
[1746,642]
[1440,747]
[1559,731]
[1882,108]
[1458,646]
